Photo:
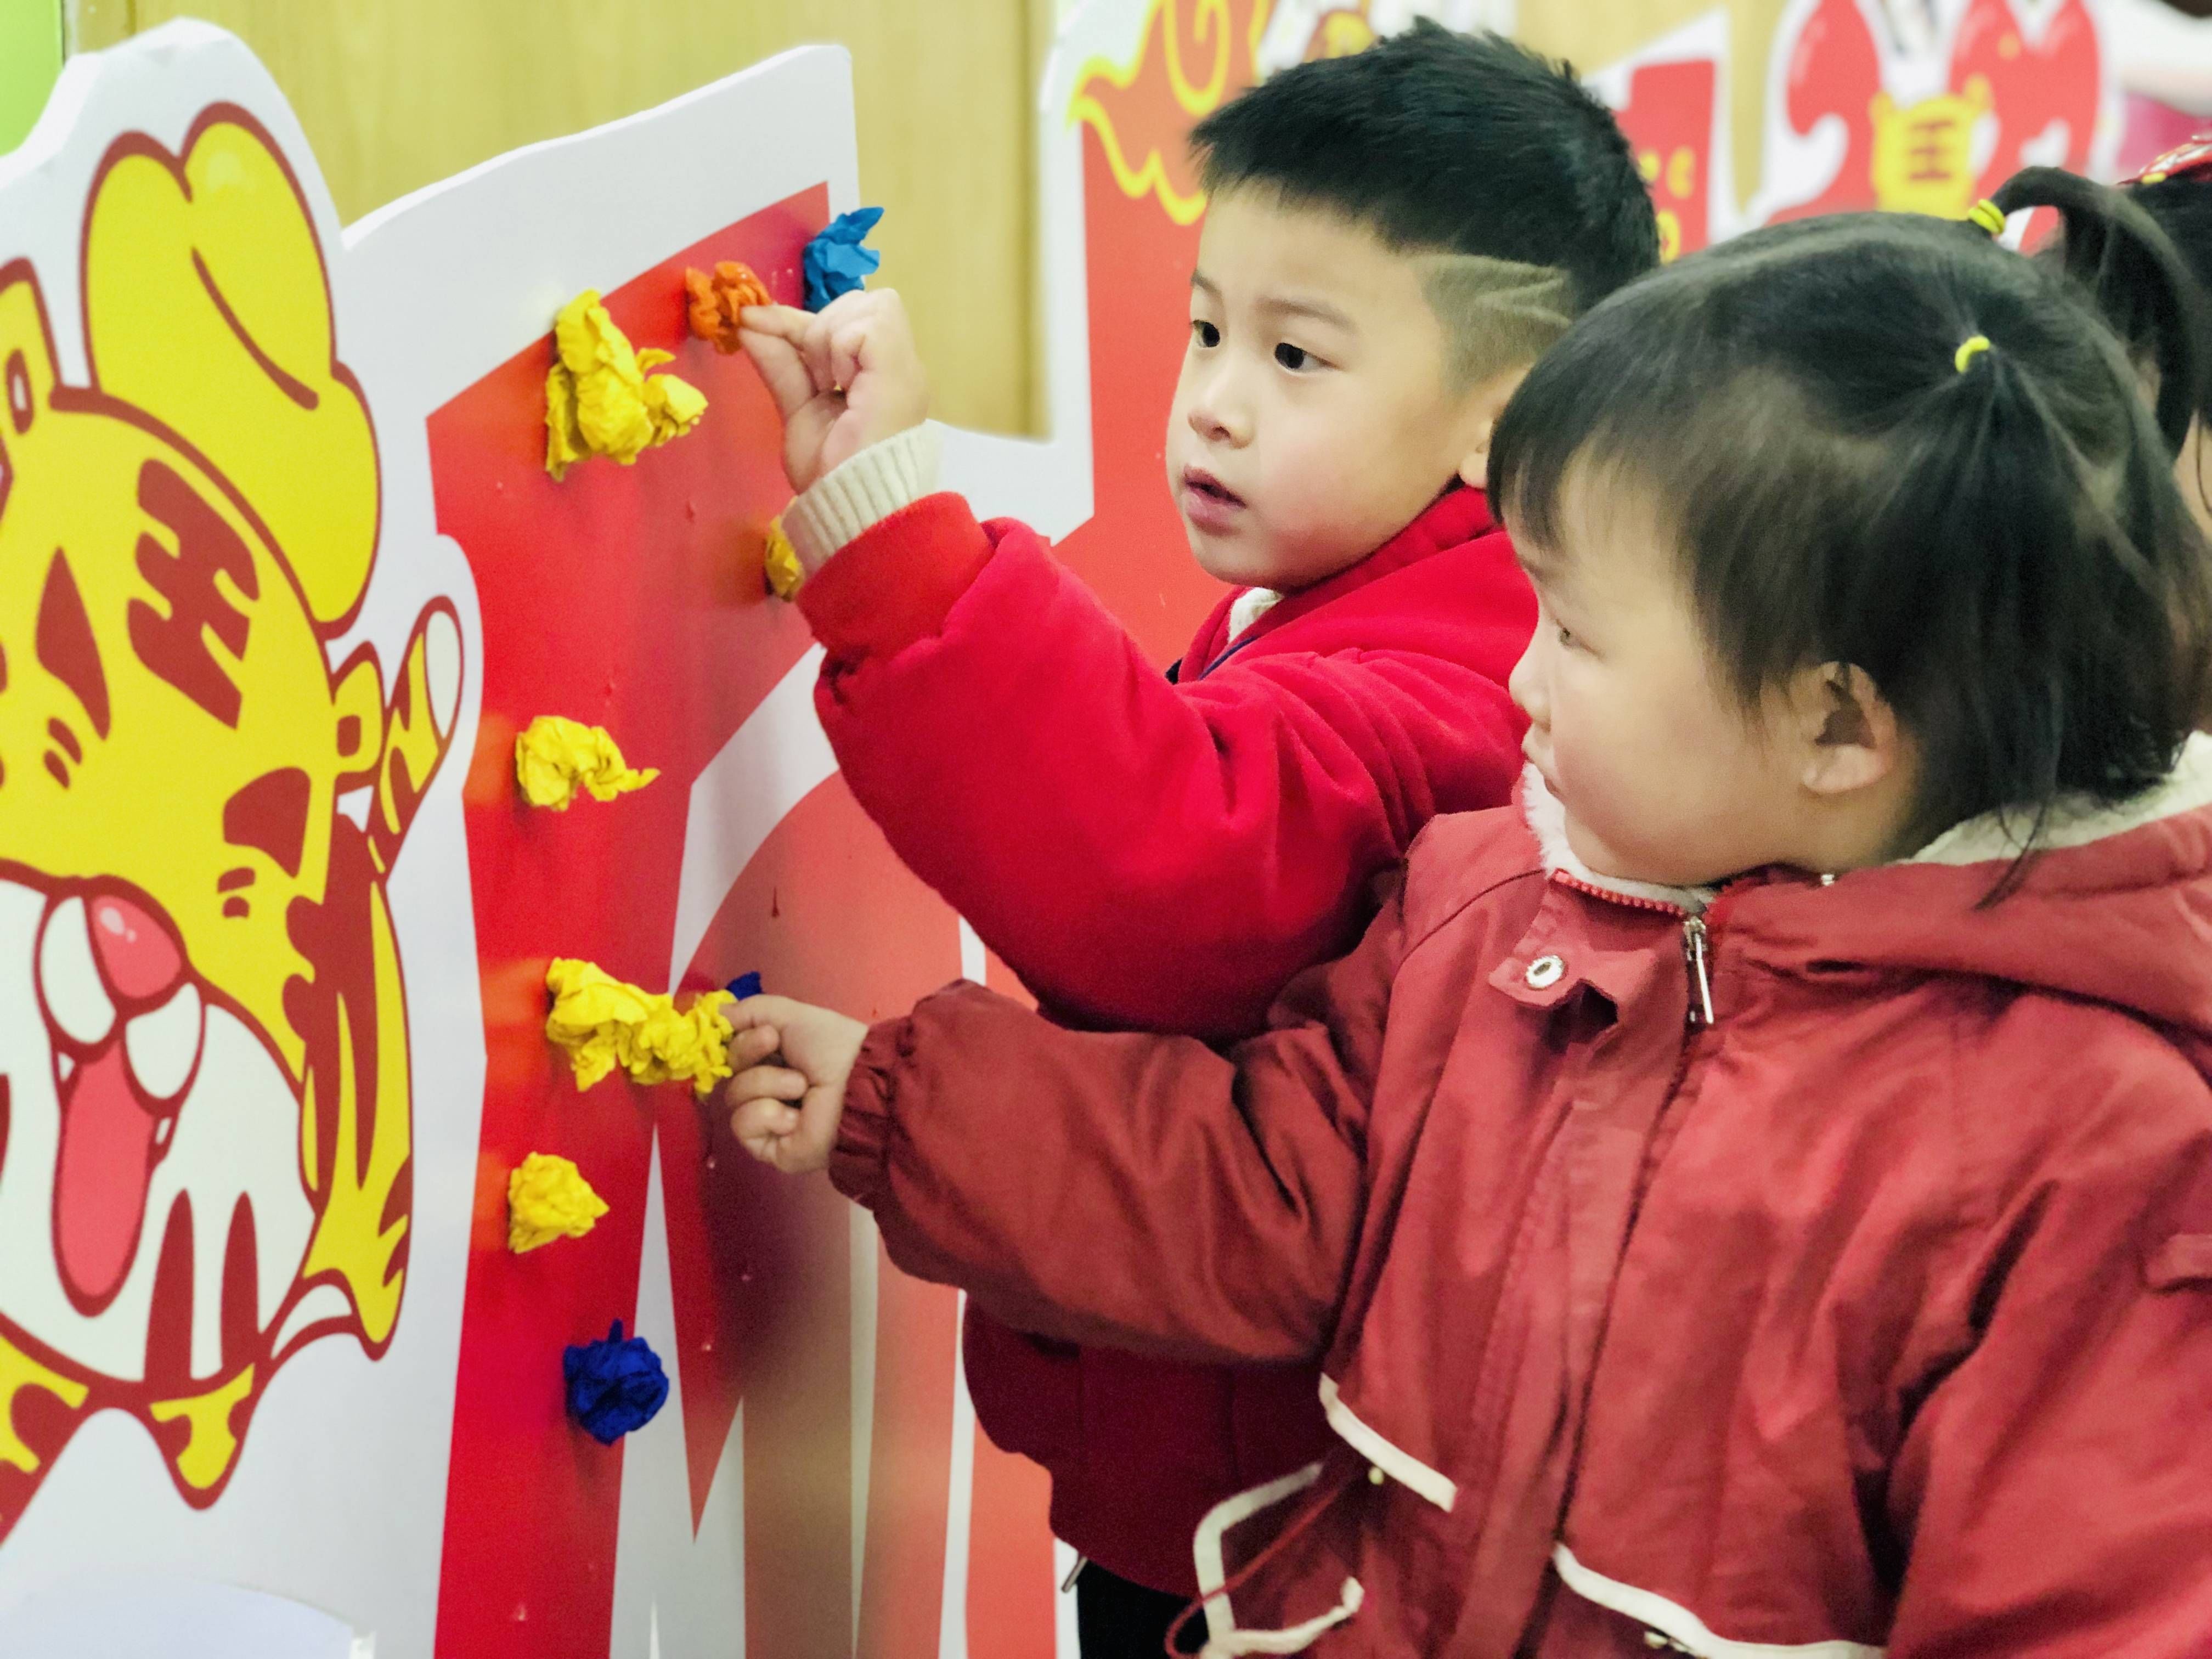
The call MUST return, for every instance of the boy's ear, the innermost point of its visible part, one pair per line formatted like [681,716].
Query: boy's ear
[1851,740]
[1479,410]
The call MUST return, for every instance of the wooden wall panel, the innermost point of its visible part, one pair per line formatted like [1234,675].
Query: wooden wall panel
[395,94]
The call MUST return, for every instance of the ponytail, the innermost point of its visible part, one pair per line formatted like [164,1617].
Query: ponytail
[2121,258]
[1881,439]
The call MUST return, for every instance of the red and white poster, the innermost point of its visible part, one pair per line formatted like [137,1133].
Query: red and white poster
[1909,105]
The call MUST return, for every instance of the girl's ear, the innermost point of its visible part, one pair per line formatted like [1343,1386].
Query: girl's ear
[1479,410]
[1849,732]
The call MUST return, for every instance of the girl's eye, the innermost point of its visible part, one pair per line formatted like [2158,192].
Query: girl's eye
[1292,357]
[1566,635]
[1206,334]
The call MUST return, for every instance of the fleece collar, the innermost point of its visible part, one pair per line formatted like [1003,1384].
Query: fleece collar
[1993,837]
[2077,822]
[1547,821]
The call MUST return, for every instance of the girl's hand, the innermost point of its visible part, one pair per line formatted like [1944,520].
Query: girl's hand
[787,1115]
[843,378]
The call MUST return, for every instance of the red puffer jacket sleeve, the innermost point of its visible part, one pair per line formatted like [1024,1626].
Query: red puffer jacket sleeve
[2055,1488]
[1142,854]
[1143,1191]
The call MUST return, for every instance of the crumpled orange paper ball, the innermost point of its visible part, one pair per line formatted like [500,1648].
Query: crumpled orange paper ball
[717,299]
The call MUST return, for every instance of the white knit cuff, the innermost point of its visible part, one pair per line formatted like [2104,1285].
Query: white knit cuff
[861,492]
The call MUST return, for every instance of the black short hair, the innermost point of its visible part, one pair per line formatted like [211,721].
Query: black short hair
[1886,441]
[1459,144]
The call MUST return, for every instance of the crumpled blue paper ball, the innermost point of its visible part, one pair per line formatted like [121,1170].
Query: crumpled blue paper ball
[745,986]
[836,263]
[614,1386]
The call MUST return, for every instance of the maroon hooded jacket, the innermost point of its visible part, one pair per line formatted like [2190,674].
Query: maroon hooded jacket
[1826,1274]
[1159,855]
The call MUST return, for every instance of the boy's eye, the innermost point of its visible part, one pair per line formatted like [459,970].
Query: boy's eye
[1292,357]
[1567,635]
[1206,334]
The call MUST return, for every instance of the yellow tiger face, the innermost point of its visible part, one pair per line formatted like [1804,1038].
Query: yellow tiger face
[205,1134]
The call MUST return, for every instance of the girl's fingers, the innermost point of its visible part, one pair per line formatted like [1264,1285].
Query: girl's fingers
[756,1044]
[767,1083]
[760,1125]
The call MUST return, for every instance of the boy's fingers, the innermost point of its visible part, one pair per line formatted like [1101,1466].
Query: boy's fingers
[848,344]
[814,347]
[782,369]
[785,322]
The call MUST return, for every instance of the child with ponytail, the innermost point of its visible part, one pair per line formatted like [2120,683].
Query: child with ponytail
[2128,285]
[1753,1196]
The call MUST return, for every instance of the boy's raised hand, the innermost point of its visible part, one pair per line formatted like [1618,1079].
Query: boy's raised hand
[843,378]
[787,1115]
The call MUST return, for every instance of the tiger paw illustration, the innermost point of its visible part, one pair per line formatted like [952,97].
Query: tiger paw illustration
[204,1088]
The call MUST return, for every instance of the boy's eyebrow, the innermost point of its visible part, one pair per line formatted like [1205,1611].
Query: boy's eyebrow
[1320,310]
[1283,305]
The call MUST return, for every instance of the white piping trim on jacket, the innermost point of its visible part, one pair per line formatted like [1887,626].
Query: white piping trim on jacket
[1233,1511]
[1681,1626]
[1400,1465]
[1295,1639]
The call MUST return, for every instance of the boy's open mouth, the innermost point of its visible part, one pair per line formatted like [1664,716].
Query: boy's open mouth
[1211,505]
[1197,481]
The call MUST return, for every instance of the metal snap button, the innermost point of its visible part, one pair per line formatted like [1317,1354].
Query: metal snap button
[1544,972]
[1375,1475]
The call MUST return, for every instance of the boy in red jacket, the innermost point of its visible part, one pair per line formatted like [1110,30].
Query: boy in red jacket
[1392,240]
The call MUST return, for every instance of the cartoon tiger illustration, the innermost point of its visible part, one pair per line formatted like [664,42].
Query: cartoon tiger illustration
[204,1089]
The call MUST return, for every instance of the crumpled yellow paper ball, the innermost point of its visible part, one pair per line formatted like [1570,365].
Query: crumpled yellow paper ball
[599,397]
[602,1023]
[785,572]
[547,1197]
[553,757]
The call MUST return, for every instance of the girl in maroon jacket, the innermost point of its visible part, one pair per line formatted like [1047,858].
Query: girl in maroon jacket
[1754,1197]
[1391,240]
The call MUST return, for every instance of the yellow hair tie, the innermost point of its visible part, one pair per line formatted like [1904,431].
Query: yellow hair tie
[1972,349]
[1989,216]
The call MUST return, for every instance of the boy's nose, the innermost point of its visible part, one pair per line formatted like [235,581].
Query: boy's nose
[1217,412]
[1211,420]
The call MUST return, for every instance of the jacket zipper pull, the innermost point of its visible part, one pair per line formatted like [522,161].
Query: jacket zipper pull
[1694,951]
